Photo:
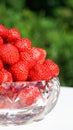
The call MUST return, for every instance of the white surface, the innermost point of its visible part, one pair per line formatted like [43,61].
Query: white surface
[60,118]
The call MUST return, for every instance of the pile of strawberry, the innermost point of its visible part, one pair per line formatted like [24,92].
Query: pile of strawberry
[20,61]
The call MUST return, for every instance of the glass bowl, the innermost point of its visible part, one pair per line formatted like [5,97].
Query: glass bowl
[13,109]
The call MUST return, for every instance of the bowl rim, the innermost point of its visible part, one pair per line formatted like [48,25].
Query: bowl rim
[34,81]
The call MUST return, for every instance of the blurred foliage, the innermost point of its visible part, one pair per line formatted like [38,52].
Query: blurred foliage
[49,25]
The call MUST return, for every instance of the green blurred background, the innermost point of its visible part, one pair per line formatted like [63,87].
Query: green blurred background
[49,24]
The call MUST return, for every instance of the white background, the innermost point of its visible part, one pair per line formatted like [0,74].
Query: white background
[60,118]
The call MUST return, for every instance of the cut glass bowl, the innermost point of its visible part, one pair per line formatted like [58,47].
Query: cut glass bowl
[12,109]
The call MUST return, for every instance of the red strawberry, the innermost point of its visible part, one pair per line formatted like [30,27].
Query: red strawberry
[23,44]
[2,90]
[9,54]
[19,71]
[1,64]
[33,56]
[52,66]
[39,54]
[5,76]
[1,41]
[13,92]
[13,35]
[2,105]
[11,105]
[29,95]
[39,72]
[26,56]
[3,31]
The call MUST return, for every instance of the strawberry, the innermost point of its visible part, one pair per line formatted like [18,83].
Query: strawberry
[39,55]
[3,31]
[33,56]
[26,56]
[29,95]
[2,105]
[13,35]
[23,44]
[12,92]
[1,41]
[2,90]
[39,72]
[9,54]
[5,76]
[1,64]
[52,66]
[19,71]
[11,105]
